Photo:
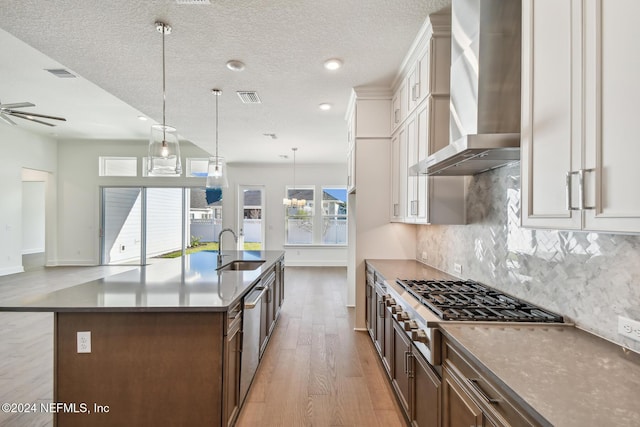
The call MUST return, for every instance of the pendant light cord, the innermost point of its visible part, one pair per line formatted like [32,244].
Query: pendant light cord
[164,92]
[217,96]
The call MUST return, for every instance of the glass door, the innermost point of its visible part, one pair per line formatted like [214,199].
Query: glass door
[122,225]
[251,216]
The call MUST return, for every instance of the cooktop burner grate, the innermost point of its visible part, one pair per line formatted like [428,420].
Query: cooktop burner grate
[468,300]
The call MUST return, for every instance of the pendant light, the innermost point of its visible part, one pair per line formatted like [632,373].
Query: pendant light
[164,147]
[216,170]
[293,202]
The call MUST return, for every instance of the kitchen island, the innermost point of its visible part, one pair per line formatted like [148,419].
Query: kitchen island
[157,345]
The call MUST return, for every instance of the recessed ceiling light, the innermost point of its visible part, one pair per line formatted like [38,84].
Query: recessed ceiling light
[332,64]
[142,118]
[324,107]
[235,65]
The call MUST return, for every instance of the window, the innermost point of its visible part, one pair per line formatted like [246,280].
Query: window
[324,223]
[334,216]
[197,167]
[118,166]
[299,216]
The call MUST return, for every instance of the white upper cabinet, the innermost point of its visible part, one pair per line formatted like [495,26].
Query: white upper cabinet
[420,118]
[579,94]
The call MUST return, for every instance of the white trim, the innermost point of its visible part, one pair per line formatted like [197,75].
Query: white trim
[316,263]
[32,251]
[71,262]
[314,246]
[360,329]
[11,270]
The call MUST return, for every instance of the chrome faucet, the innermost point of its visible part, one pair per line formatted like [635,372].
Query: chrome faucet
[220,243]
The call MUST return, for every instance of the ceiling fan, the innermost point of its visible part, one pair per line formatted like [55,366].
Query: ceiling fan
[7,110]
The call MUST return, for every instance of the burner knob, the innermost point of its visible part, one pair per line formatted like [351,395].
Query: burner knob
[419,335]
[395,309]
[390,301]
[410,325]
[402,316]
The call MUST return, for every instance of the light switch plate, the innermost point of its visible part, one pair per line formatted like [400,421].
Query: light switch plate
[84,342]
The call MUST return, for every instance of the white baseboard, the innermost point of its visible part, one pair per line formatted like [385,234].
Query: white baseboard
[360,329]
[11,270]
[32,251]
[76,262]
[351,306]
[307,263]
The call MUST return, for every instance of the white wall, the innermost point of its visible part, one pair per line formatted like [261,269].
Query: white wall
[79,192]
[22,149]
[275,178]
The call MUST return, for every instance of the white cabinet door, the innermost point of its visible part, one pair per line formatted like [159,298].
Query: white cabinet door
[612,91]
[551,112]
[411,136]
[580,91]
[395,179]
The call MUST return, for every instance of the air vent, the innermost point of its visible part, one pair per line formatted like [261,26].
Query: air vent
[193,2]
[249,97]
[61,72]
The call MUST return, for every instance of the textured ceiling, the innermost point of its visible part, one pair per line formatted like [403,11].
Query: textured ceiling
[114,46]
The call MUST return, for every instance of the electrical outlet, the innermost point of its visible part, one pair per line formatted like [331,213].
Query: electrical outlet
[629,328]
[457,268]
[84,342]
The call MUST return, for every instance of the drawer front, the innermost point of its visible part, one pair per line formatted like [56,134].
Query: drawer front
[501,410]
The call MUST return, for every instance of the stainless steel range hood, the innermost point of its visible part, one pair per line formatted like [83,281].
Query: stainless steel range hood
[484,123]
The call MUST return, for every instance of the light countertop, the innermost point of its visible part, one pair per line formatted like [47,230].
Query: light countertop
[570,377]
[187,283]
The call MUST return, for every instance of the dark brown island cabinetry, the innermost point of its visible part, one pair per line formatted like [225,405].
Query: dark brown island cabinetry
[162,365]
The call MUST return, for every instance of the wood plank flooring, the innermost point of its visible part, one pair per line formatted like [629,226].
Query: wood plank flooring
[316,371]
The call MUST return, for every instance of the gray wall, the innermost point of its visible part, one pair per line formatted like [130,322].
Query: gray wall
[590,278]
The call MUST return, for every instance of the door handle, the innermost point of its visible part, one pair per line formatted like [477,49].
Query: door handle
[581,203]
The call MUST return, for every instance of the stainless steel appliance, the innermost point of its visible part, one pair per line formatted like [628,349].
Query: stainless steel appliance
[421,305]
[466,300]
[485,89]
[251,338]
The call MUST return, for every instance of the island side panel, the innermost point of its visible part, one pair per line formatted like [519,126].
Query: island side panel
[147,368]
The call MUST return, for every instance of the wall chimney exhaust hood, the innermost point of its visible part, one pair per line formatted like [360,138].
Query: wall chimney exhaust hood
[484,122]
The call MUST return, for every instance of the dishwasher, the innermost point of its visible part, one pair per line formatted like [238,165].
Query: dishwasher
[251,338]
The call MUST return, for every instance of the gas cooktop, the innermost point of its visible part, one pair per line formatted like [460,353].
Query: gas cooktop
[468,300]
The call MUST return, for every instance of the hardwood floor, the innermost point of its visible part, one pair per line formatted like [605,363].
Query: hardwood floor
[316,371]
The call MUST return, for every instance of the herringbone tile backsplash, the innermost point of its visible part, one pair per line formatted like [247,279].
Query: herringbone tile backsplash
[590,278]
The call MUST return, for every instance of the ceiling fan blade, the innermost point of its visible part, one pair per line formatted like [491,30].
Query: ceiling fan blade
[7,119]
[18,105]
[27,115]
[31,119]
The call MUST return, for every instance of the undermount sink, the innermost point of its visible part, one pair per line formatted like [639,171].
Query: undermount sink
[241,265]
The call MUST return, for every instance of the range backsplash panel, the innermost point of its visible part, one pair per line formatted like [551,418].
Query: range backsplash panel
[590,278]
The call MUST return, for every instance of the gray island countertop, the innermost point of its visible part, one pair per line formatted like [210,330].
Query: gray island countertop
[187,283]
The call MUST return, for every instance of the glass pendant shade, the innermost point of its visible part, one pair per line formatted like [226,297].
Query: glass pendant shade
[217,173]
[164,151]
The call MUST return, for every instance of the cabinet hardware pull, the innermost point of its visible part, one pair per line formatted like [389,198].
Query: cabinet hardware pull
[411,364]
[485,396]
[406,362]
[381,309]
[583,172]
[568,187]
